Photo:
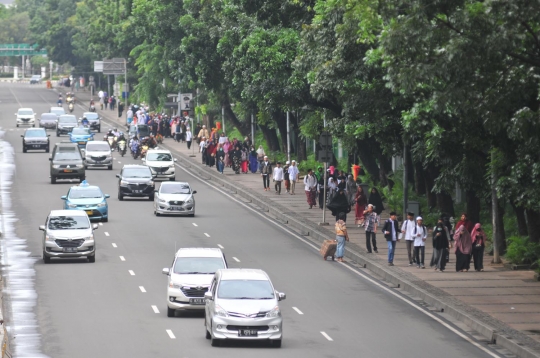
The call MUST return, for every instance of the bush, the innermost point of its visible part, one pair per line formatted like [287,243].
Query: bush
[522,251]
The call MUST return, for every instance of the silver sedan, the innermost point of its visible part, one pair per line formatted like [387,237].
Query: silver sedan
[174,198]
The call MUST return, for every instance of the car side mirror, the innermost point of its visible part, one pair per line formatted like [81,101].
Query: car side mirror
[194,192]
[118,176]
[155,191]
[166,271]
[281,296]
[50,159]
[208,296]
[107,196]
[63,197]
[95,226]
[42,227]
[48,135]
[22,136]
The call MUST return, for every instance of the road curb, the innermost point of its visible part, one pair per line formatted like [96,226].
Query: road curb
[494,330]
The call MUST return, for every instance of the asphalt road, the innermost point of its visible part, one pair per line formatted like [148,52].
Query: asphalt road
[100,310]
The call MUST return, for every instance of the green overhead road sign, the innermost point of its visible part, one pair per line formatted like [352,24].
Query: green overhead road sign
[21,50]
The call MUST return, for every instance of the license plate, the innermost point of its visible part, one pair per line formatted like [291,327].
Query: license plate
[82,142]
[177,208]
[35,145]
[196,301]
[67,170]
[137,191]
[69,249]
[89,212]
[247,333]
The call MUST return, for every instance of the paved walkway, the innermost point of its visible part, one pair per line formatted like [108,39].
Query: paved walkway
[511,297]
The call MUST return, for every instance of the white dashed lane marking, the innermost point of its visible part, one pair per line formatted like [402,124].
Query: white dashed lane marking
[195,224]
[142,289]
[326,336]
[171,335]
[100,224]
[221,247]
[122,258]
[131,272]
[235,259]
[107,234]
[155,309]
[205,234]
[297,310]
[114,245]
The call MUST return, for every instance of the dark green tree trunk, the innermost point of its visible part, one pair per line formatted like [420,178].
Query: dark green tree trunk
[445,204]
[473,206]
[270,137]
[533,225]
[521,219]
[429,184]
[419,180]
[367,159]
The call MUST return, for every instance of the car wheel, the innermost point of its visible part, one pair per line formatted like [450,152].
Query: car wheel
[99,129]
[53,179]
[86,167]
[120,196]
[57,134]
[151,197]
[214,342]
[208,335]
[170,312]
[105,220]
[46,259]
[24,150]
[81,179]
[47,150]
[172,179]
[92,258]
[276,343]
[17,126]
[33,125]
[109,167]
[192,215]
[156,213]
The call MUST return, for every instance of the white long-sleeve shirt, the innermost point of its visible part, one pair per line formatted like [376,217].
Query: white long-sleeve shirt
[278,174]
[407,228]
[309,182]
[189,136]
[293,172]
[420,235]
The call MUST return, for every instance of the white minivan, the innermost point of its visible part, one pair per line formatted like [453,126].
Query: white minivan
[98,154]
[161,163]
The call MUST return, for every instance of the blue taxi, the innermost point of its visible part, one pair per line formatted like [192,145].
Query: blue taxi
[89,198]
[81,135]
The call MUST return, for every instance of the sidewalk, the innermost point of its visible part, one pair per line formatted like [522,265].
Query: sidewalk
[502,305]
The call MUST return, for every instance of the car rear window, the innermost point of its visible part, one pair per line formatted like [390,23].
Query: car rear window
[68,222]
[245,289]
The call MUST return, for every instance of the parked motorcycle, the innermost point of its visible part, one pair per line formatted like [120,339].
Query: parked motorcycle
[122,147]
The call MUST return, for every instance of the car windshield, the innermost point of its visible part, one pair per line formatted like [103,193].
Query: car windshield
[80,131]
[67,156]
[159,157]
[69,119]
[91,115]
[85,193]
[58,111]
[198,265]
[98,147]
[25,112]
[174,189]
[35,133]
[36,77]
[68,222]
[143,131]
[137,173]
[48,116]
[245,289]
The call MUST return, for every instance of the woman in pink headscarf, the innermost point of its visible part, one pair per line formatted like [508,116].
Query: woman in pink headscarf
[227,149]
[463,249]
[478,238]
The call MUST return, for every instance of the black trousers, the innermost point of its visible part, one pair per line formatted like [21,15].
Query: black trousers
[188,144]
[371,238]
[419,254]
[266,180]
[478,257]
[277,186]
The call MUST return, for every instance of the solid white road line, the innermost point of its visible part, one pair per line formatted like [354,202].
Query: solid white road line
[297,310]
[205,234]
[386,288]
[171,335]
[195,224]
[107,234]
[142,289]
[326,336]
[221,247]
[114,245]
[235,259]
[122,258]
[131,272]
[155,309]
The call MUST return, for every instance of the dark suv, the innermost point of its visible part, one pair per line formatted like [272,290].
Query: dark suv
[94,120]
[67,162]
[135,180]
[66,123]
[35,139]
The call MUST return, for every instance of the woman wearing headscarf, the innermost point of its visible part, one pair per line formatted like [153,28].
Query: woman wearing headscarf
[376,200]
[351,190]
[361,202]
[260,156]
[440,246]
[478,238]
[236,158]
[464,221]
[320,189]
[220,158]
[211,154]
[310,187]
[227,148]
[244,159]
[339,204]
[463,249]
[253,163]
[341,235]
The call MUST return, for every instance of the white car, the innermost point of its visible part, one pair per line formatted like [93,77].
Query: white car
[190,276]
[98,154]
[26,117]
[174,198]
[161,163]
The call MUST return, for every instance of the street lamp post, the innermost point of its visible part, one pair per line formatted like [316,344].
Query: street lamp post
[252,130]
[288,139]
[223,118]
[50,70]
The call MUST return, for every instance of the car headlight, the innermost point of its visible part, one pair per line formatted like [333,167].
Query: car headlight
[275,312]
[171,166]
[189,201]
[175,285]
[221,312]
[71,206]
[101,205]
[123,182]
[79,166]
[150,183]
[162,200]
[49,237]
[56,166]
[91,237]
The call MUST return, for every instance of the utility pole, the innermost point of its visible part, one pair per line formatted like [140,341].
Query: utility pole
[126,103]
[495,212]
[252,130]
[223,118]
[288,139]
[405,179]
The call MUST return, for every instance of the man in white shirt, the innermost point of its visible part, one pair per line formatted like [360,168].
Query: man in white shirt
[129,115]
[189,136]
[407,229]
[310,187]
[278,177]
[293,175]
[420,235]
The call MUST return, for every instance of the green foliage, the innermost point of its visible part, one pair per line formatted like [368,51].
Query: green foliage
[522,251]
